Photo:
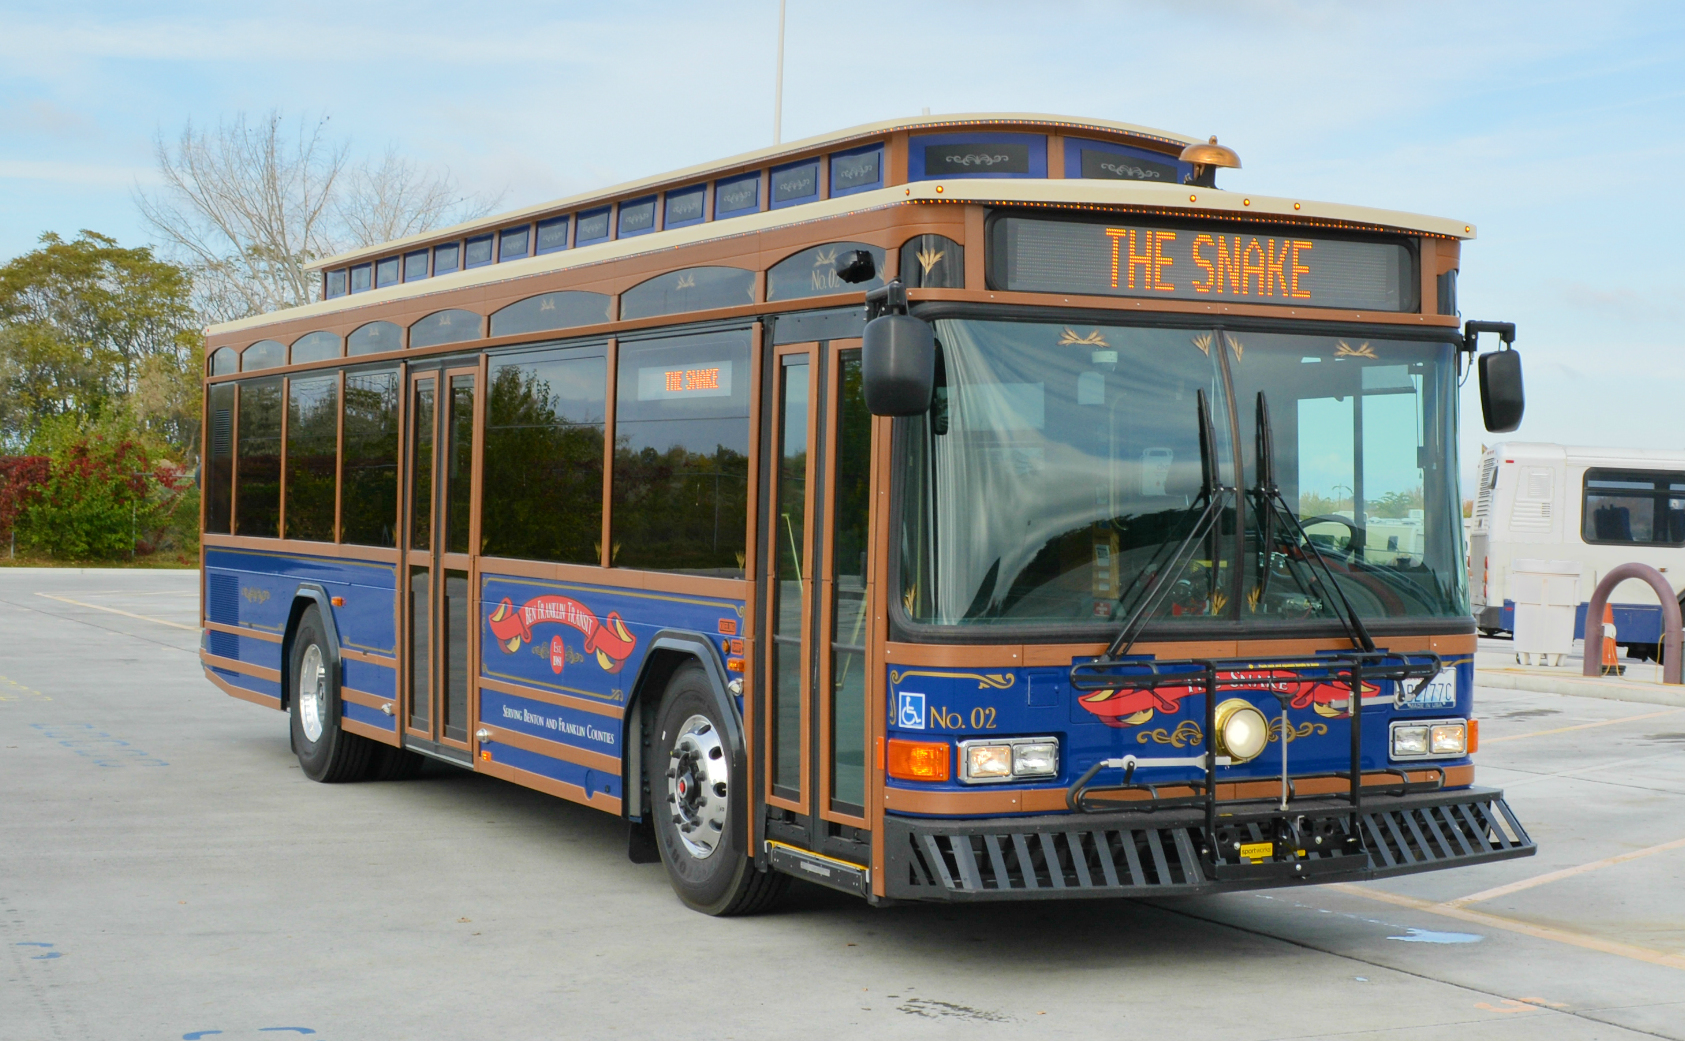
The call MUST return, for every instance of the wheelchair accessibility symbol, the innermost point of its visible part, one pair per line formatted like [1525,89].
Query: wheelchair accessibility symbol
[911,714]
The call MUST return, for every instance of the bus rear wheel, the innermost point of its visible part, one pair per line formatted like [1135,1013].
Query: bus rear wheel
[325,751]
[696,802]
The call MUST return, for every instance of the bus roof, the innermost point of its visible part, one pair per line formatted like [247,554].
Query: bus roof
[1156,197]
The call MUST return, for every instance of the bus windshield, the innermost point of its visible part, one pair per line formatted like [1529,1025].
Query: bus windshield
[1059,459]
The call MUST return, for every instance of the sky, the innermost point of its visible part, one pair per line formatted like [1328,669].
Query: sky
[1555,128]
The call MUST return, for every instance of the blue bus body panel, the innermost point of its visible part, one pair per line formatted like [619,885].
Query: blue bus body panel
[1634,623]
[955,704]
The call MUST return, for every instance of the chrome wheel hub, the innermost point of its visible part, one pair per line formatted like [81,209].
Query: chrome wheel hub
[699,786]
[312,693]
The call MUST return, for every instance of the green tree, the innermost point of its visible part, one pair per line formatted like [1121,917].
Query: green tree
[84,325]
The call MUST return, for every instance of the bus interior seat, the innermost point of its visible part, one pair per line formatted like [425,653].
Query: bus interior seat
[1612,523]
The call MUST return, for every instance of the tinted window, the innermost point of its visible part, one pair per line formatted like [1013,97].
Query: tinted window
[739,195]
[257,510]
[224,361]
[797,183]
[685,206]
[386,272]
[552,234]
[544,457]
[415,265]
[551,311]
[459,462]
[336,283]
[1634,506]
[857,171]
[476,252]
[692,289]
[360,277]
[446,258]
[813,272]
[593,227]
[312,456]
[681,454]
[371,458]
[1109,165]
[374,338]
[637,216]
[219,467]
[512,244]
[932,262]
[445,327]
[264,354]
[316,346]
[988,155]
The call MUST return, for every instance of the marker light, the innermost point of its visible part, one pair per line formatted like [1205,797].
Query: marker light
[1242,731]
[990,761]
[918,760]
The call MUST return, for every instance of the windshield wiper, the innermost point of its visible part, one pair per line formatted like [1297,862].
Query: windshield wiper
[1161,574]
[1271,505]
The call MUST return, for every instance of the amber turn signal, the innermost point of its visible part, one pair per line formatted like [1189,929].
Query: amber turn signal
[919,760]
[1474,736]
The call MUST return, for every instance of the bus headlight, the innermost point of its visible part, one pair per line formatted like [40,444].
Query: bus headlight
[1430,739]
[992,761]
[1242,731]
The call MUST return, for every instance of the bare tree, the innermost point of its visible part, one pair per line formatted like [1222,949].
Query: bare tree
[247,205]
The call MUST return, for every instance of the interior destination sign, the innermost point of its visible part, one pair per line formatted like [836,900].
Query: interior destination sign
[1263,266]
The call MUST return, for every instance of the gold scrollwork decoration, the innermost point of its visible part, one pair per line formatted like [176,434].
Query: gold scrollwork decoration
[997,680]
[1342,349]
[1203,342]
[1069,338]
[1295,733]
[1187,732]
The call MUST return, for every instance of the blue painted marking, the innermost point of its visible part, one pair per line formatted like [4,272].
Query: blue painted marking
[302,1030]
[1429,936]
[97,745]
[47,957]
[33,943]
[195,1035]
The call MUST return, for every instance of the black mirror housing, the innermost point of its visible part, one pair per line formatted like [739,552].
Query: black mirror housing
[898,365]
[1502,399]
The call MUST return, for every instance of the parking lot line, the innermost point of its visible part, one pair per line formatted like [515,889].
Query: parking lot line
[113,610]
[1539,932]
[1582,726]
[1552,876]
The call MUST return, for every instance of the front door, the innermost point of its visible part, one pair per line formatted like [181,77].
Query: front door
[815,600]
[438,532]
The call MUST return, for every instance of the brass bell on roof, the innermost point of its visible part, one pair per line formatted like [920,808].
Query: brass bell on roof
[1211,154]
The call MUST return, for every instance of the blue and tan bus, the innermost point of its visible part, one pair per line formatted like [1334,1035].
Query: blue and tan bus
[936,510]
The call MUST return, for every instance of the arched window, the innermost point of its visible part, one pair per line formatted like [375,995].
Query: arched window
[813,272]
[692,289]
[551,311]
[445,327]
[264,354]
[932,262]
[374,338]
[317,346]
[224,361]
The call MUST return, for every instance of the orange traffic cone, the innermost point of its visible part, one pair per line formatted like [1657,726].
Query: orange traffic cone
[1611,657]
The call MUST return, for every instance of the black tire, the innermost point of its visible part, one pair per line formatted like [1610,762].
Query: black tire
[325,752]
[387,763]
[689,761]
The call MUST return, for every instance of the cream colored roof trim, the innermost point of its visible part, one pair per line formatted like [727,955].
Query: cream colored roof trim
[755,158]
[1072,192]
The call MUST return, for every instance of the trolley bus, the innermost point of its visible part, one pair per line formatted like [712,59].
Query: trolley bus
[955,508]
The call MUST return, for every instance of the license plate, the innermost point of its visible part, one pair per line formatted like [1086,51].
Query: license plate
[1441,693]
[1256,851]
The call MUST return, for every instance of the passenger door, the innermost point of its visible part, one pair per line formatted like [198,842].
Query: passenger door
[815,601]
[439,531]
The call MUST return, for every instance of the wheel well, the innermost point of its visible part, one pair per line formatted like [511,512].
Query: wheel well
[658,669]
[303,601]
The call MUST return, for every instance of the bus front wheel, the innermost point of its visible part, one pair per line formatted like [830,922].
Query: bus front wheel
[696,801]
[325,751]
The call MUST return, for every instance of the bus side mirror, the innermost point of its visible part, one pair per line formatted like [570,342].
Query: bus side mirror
[898,365]
[1502,400]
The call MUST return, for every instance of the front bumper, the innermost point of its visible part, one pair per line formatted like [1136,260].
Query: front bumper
[1167,852]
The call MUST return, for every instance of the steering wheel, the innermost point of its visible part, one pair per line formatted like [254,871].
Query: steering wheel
[1354,545]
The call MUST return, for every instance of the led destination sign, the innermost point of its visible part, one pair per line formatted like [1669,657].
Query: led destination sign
[1264,266]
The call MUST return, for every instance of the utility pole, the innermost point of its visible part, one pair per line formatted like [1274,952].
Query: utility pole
[778,86]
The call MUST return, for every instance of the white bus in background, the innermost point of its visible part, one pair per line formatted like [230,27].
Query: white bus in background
[1599,506]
